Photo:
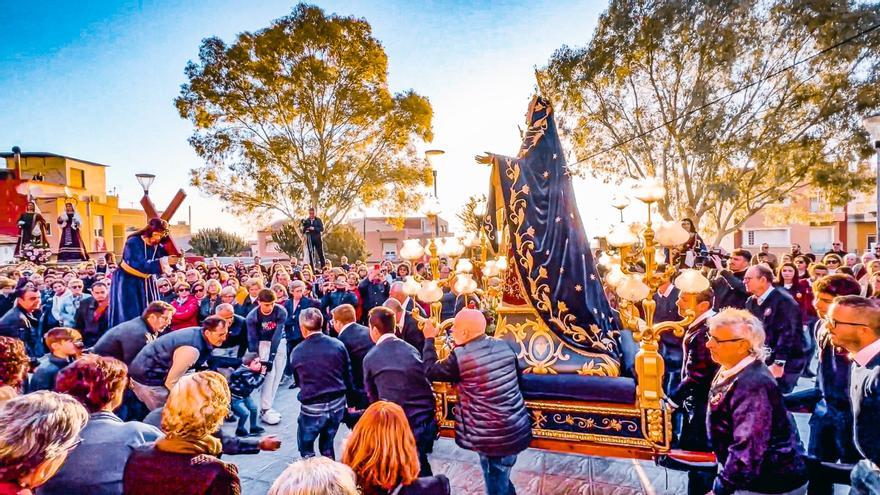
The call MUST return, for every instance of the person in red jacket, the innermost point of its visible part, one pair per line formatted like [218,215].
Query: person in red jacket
[186,308]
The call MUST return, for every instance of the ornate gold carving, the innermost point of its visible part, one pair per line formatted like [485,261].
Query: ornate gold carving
[541,350]
[590,423]
[539,418]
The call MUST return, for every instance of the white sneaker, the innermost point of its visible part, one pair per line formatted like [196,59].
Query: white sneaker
[271,417]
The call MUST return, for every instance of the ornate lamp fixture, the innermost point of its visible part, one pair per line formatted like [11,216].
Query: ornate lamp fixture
[642,245]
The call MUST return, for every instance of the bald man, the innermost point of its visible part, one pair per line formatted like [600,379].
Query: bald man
[491,419]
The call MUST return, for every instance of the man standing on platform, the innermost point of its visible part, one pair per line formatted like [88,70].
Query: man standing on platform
[491,418]
[313,228]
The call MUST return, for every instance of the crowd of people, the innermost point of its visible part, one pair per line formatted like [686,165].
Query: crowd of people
[216,345]
[137,407]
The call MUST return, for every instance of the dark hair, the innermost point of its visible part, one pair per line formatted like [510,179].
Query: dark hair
[93,380]
[157,308]
[383,319]
[153,225]
[99,284]
[213,322]
[794,281]
[266,295]
[837,285]
[745,253]
[691,227]
[707,295]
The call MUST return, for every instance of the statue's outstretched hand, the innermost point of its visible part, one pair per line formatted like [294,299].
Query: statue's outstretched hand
[485,159]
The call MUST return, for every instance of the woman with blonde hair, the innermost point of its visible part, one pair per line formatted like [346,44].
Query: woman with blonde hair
[315,476]
[186,461]
[382,452]
[37,431]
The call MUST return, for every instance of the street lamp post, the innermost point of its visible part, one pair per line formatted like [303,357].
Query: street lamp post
[145,180]
[431,155]
[872,124]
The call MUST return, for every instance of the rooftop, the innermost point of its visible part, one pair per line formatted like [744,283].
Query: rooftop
[41,154]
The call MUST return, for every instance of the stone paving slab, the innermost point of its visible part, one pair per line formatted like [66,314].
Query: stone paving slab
[535,473]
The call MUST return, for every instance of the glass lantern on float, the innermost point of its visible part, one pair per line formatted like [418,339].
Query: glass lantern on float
[472,274]
[635,246]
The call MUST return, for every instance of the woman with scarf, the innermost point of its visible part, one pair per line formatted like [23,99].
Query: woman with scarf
[71,247]
[186,461]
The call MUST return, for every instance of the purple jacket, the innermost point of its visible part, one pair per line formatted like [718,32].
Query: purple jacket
[753,435]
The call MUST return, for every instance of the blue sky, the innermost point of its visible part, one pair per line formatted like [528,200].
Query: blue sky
[96,80]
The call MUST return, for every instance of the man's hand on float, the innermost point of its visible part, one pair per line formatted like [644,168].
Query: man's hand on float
[270,443]
[429,330]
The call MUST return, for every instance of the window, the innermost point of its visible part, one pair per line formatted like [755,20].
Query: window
[389,249]
[871,240]
[821,239]
[118,238]
[77,178]
[99,225]
[773,237]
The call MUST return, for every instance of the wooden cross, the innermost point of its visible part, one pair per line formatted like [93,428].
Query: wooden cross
[150,210]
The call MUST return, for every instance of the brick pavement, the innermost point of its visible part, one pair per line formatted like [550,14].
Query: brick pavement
[536,472]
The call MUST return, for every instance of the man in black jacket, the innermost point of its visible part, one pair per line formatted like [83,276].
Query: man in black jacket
[492,419]
[92,315]
[321,368]
[393,371]
[21,322]
[692,392]
[406,327]
[313,228]
[374,291]
[783,324]
[125,341]
[356,339]
[730,291]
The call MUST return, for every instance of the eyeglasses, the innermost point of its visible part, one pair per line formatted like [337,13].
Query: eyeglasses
[832,262]
[199,289]
[832,323]
[182,290]
[721,341]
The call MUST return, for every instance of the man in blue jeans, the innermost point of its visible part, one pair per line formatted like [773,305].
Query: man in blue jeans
[491,418]
[321,367]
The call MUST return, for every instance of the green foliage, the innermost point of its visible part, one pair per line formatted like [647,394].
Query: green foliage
[289,239]
[471,222]
[208,242]
[652,63]
[344,240]
[299,114]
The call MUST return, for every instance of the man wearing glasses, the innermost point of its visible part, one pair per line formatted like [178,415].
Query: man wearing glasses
[837,248]
[854,324]
[783,323]
[752,434]
[831,430]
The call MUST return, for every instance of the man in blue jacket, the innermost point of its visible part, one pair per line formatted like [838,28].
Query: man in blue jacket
[322,370]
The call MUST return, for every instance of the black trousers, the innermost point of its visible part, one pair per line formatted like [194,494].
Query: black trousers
[316,251]
[426,434]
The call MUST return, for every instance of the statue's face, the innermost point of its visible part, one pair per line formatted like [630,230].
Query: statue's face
[30,208]
[68,208]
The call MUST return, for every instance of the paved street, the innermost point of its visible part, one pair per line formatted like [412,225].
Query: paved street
[536,472]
